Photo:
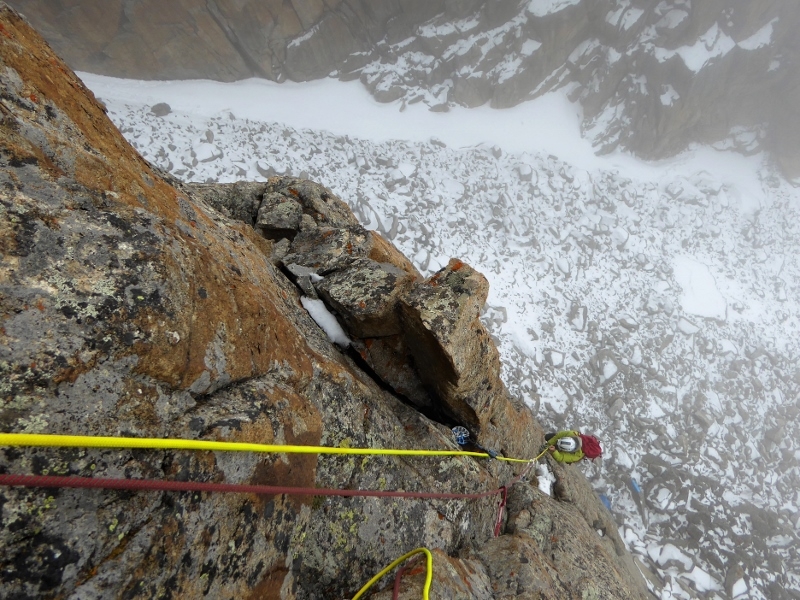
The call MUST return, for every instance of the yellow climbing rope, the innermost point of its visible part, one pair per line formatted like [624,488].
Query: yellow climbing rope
[84,441]
[543,452]
[428,576]
[87,441]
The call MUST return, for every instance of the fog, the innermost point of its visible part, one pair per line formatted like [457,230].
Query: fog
[624,172]
[649,305]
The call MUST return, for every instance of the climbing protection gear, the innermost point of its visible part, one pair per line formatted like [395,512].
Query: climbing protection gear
[462,437]
[461,434]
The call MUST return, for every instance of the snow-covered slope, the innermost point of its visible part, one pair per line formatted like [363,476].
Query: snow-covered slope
[651,76]
[655,305]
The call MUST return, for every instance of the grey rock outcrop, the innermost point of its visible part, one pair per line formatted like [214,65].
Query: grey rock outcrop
[130,306]
[366,295]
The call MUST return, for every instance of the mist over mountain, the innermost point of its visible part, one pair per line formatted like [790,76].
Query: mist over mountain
[657,308]
[652,77]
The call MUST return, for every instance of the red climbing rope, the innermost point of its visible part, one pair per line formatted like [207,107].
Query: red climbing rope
[396,589]
[55,481]
[499,522]
[58,481]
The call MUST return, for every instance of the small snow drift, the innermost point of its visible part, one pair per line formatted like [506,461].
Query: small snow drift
[325,319]
[700,295]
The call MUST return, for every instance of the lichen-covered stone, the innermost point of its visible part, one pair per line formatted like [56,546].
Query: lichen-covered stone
[327,249]
[317,201]
[240,200]
[518,569]
[279,217]
[129,306]
[448,341]
[365,296]
[578,539]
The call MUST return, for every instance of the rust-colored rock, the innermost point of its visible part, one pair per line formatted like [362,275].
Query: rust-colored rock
[448,341]
[130,306]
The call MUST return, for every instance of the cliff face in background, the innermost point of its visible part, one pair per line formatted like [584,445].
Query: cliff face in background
[131,304]
[651,77]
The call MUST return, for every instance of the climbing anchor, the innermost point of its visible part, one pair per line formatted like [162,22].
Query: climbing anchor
[462,438]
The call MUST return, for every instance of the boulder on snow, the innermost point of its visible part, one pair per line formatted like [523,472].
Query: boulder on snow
[577,317]
[628,322]
[162,109]
[686,327]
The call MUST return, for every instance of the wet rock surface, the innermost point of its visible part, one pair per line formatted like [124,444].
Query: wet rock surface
[130,306]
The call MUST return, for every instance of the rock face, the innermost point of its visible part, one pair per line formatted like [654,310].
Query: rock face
[651,77]
[131,304]
[613,328]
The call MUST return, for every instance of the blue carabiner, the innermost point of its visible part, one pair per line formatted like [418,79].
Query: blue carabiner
[461,434]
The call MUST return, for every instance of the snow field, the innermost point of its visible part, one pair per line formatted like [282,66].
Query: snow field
[654,305]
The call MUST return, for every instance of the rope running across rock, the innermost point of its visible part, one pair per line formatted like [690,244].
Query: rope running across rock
[56,481]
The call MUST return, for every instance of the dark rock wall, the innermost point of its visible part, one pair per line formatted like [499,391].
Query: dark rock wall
[218,39]
[129,306]
[618,51]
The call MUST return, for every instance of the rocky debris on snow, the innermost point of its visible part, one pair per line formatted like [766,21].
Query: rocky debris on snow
[739,369]
[132,307]
[162,109]
[686,327]
[650,78]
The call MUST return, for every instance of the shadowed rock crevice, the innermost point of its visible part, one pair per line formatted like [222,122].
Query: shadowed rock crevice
[422,401]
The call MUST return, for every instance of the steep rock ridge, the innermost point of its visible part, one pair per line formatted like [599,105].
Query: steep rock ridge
[131,307]
[442,351]
[611,334]
[651,77]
